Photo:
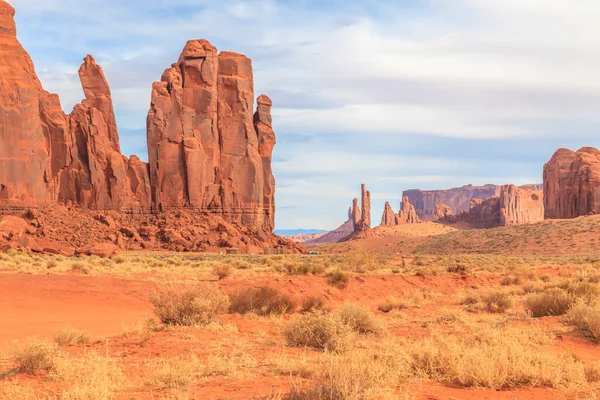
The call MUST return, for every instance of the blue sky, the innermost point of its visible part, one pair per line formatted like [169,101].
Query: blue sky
[397,94]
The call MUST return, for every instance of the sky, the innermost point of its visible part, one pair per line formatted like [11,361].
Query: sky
[397,94]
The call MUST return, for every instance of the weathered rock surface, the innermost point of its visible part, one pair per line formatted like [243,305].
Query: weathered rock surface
[389,217]
[443,213]
[26,111]
[520,206]
[425,201]
[572,183]
[207,150]
[361,218]
[408,214]
[209,153]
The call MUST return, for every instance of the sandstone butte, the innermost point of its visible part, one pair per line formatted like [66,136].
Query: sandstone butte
[572,183]
[209,152]
[513,206]
[426,201]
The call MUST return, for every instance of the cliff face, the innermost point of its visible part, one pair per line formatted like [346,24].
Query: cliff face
[572,183]
[207,150]
[210,151]
[425,201]
[513,206]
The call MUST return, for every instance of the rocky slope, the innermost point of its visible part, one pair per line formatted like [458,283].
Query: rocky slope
[572,183]
[425,201]
[209,153]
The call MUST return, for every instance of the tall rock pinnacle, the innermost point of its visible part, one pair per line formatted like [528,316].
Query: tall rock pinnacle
[207,149]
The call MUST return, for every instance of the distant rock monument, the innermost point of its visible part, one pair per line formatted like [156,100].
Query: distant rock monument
[361,217]
[513,206]
[406,215]
[572,183]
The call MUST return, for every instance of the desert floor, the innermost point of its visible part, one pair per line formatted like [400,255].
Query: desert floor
[402,315]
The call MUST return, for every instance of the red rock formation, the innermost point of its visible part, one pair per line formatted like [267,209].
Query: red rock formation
[100,177]
[209,154]
[26,112]
[443,213]
[361,217]
[408,214]
[425,201]
[365,207]
[520,206]
[207,149]
[572,183]
[356,215]
[389,217]
[514,206]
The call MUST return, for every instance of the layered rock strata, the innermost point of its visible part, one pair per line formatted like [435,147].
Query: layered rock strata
[425,201]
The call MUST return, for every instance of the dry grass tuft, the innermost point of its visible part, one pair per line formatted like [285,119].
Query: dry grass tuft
[313,303]
[222,270]
[498,302]
[35,356]
[69,336]
[551,302]
[338,278]
[189,305]
[264,301]
[318,330]
[360,319]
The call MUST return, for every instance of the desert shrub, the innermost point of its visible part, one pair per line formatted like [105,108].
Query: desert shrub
[392,303]
[313,303]
[318,330]
[552,301]
[222,270]
[546,278]
[457,269]
[511,280]
[68,336]
[35,356]
[360,319]
[355,375]
[51,264]
[493,359]
[586,318]
[470,300]
[338,279]
[264,301]
[189,305]
[497,302]
[81,267]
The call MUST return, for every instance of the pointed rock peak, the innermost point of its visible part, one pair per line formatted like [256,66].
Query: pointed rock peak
[92,79]
[7,21]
